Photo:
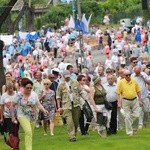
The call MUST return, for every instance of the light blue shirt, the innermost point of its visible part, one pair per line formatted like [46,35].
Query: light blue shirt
[142,84]
[111,95]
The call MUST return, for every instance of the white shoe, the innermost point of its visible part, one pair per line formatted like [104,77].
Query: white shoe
[37,126]
[45,134]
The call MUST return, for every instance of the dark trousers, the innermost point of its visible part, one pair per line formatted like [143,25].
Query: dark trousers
[113,122]
[10,127]
[55,52]
[7,125]
[83,127]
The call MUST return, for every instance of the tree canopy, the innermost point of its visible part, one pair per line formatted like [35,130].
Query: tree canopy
[116,9]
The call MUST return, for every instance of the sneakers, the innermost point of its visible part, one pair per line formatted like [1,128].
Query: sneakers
[45,134]
[73,140]
[52,134]
[130,134]
[37,126]
[102,133]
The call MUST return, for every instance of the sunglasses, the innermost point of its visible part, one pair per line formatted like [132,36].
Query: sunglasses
[29,88]
[135,62]
[108,71]
[128,75]
[46,84]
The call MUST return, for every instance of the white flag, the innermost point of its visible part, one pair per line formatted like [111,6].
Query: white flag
[85,23]
[89,20]
[71,23]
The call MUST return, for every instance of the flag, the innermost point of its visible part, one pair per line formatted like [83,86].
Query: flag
[89,20]
[85,23]
[79,25]
[71,23]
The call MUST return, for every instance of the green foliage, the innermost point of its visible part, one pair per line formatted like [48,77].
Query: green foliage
[57,14]
[38,23]
[116,9]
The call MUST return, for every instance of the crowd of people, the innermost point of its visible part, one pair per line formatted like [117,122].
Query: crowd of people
[37,85]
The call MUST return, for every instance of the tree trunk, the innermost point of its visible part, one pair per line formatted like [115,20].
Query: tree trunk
[9,21]
[3,17]
[29,14]
[6,11]
[79,8]
[11,28]
[2,76]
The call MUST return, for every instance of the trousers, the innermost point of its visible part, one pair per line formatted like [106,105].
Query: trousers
[72,120]
[28,128]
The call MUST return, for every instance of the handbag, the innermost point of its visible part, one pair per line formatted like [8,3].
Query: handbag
[87,111]
[108,105]
[13,139]
[58,119]
[101,119]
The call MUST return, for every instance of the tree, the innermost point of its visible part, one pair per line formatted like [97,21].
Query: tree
[3,17]
[2,76]
[11,29]
[29,15]
[79,8]
[6,11]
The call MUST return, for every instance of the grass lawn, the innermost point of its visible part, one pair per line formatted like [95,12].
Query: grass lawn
[59,141]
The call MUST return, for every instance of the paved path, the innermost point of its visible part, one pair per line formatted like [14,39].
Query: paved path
[97,57]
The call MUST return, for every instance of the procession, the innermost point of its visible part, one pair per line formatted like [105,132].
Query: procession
[75,82]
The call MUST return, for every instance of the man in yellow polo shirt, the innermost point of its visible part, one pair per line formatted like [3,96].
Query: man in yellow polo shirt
[127,91]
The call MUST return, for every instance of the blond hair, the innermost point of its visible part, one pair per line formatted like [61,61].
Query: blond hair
[47,81]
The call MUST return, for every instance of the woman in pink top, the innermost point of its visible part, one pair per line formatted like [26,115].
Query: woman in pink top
[34,68]
[16,72]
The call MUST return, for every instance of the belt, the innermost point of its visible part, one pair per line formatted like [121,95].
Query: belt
[130,99]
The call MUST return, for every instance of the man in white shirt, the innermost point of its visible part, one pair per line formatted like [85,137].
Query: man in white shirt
[62,66]
[111,97]
[143,80]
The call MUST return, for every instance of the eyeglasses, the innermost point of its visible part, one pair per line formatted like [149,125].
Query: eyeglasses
[135,62]
[29,88]
[128,75]
[46,84]
[108,71]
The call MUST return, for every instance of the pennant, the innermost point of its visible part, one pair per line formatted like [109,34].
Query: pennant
[85,23]
[71,23]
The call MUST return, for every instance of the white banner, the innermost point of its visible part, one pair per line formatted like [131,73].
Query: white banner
[8,39]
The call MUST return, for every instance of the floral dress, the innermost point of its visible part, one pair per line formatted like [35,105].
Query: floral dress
[49,104]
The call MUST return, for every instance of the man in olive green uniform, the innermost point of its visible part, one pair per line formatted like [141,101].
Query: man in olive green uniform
[68,98]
